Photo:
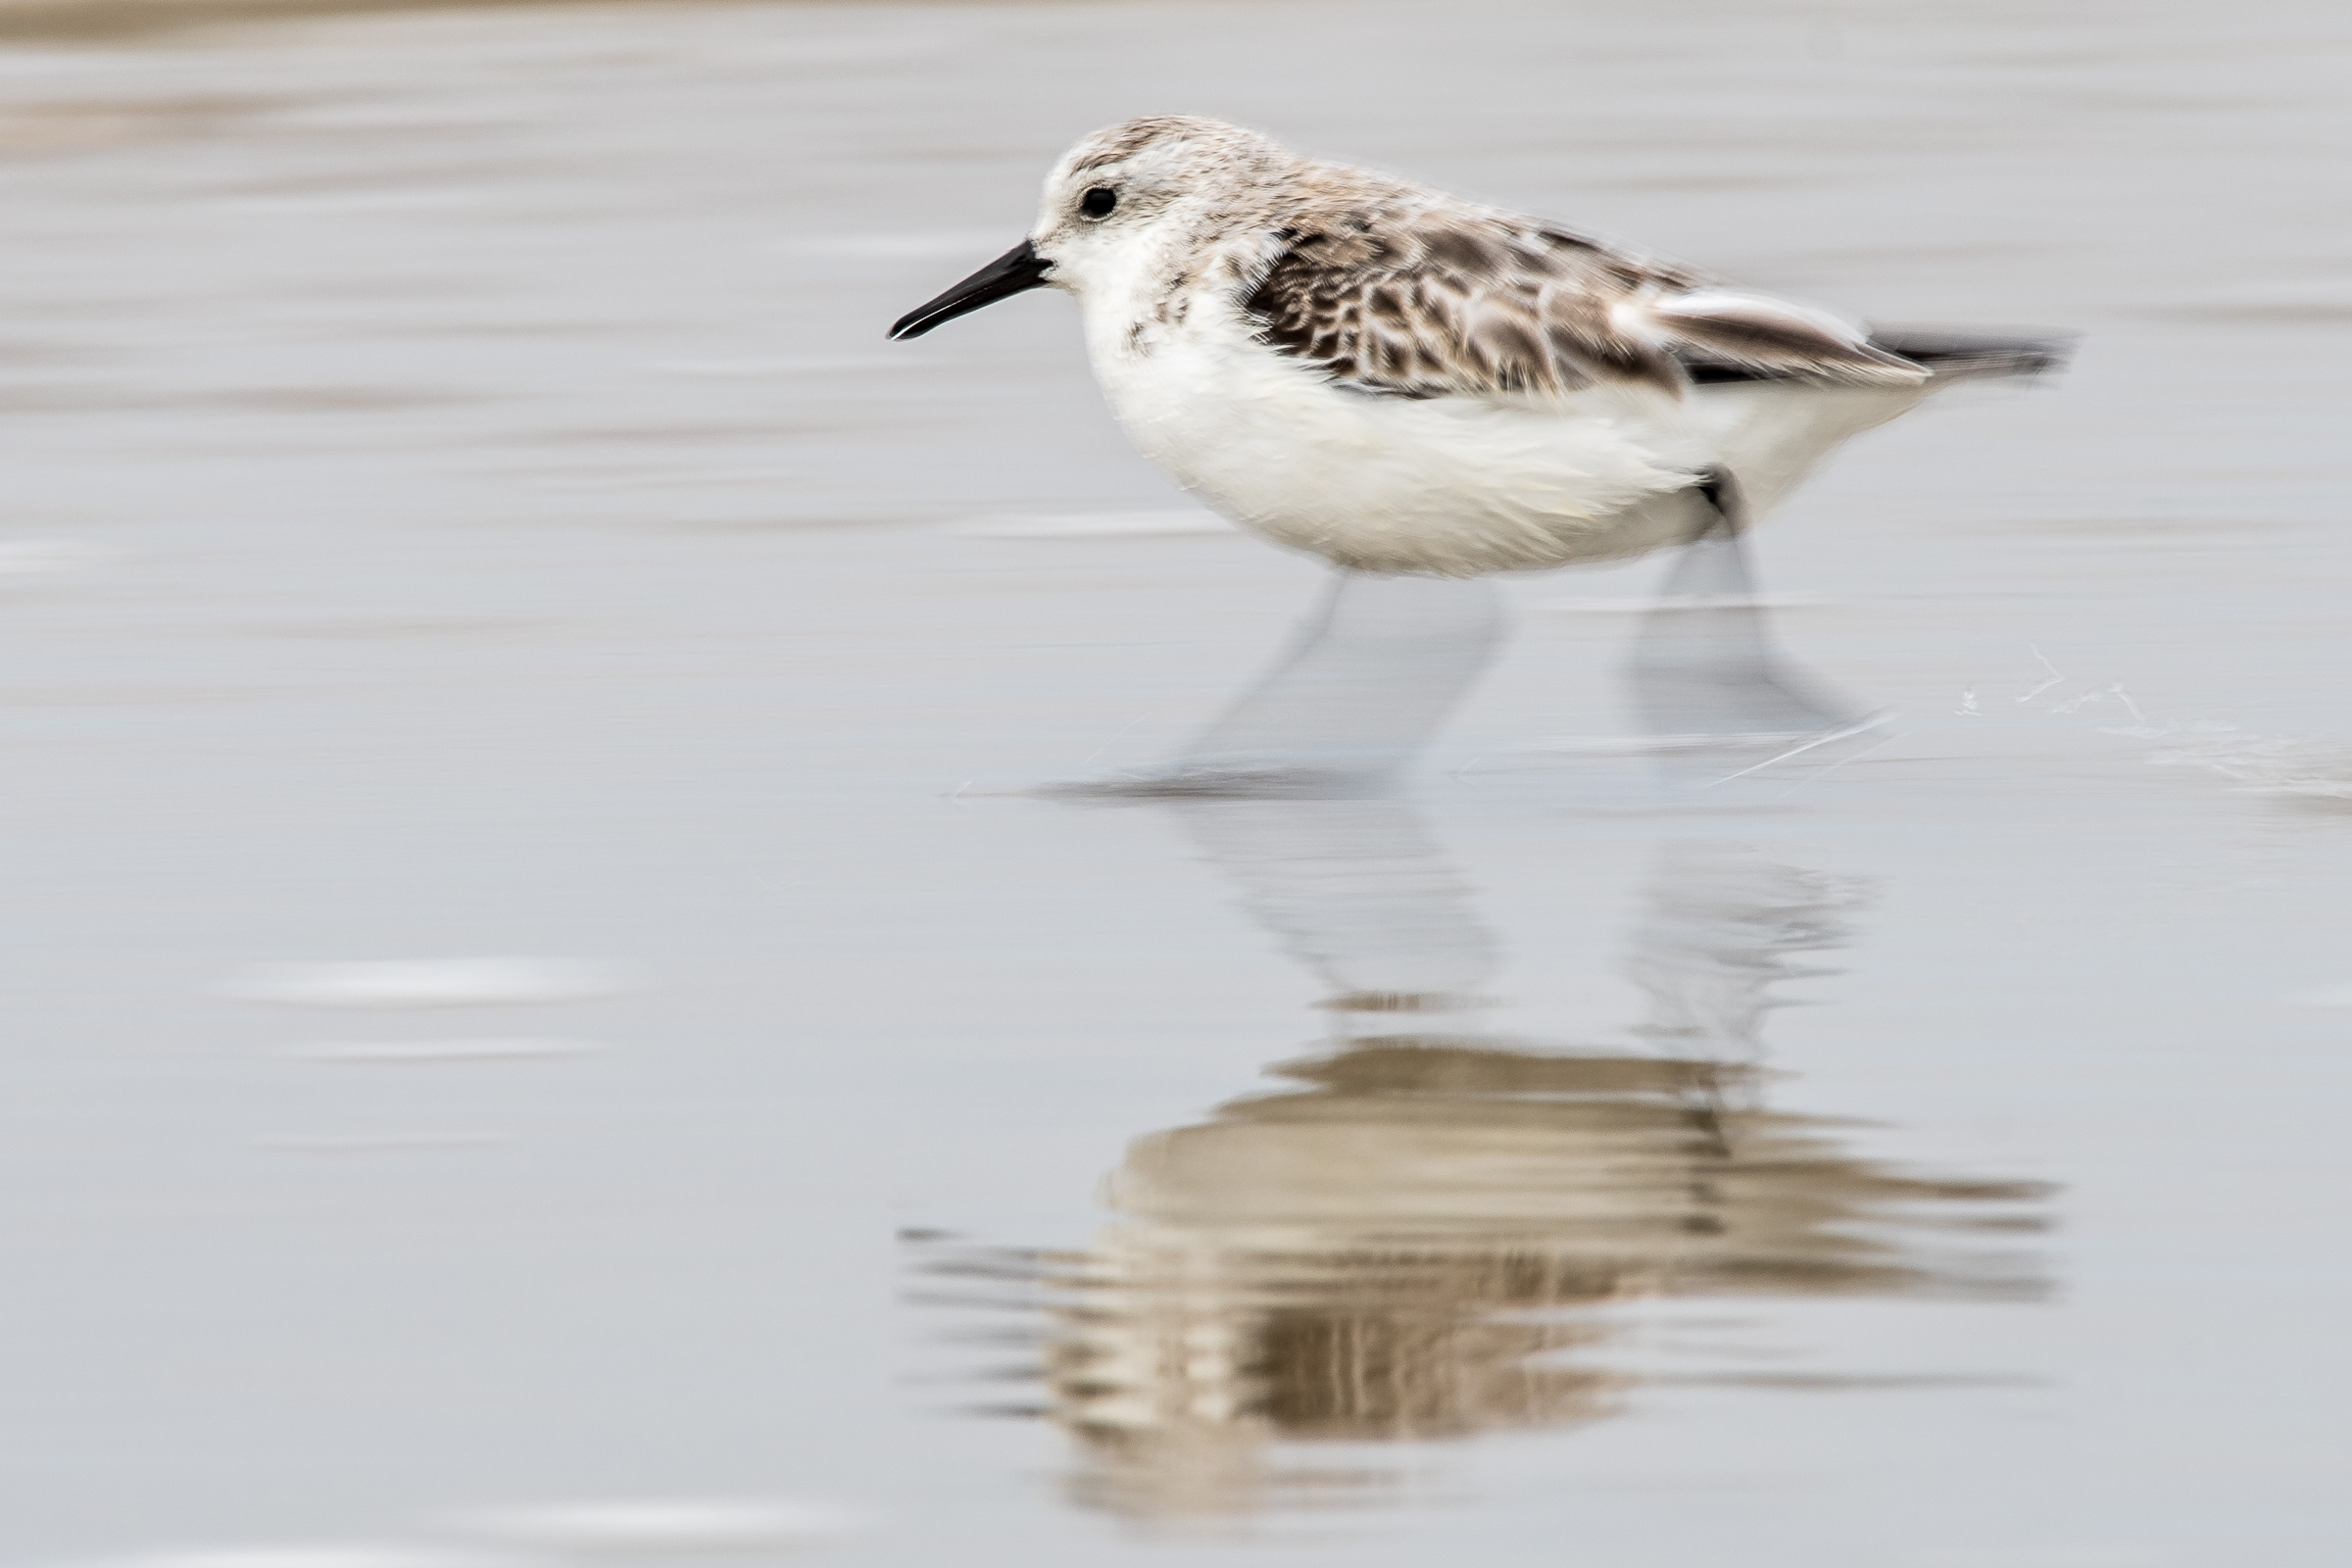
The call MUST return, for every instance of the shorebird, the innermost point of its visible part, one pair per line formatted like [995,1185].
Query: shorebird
[1411,385]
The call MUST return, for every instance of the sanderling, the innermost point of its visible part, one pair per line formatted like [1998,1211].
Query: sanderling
[1413,386]
[1403,381]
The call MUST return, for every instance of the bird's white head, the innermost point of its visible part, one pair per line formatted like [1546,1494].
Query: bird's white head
[1130,208]
[1152,189]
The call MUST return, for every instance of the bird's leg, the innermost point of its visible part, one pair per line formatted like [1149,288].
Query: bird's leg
[1704,671]
[1359,691]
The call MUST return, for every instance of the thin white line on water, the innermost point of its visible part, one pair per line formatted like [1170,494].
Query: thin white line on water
[2057,676]
[1850,756]
[1870,722]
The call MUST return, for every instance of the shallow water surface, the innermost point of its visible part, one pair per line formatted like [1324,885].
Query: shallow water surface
[552,1023]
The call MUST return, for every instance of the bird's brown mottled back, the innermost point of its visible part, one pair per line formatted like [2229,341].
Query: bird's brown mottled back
[1393,288]
[1427,305]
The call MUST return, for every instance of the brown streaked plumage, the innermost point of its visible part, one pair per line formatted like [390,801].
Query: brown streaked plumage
[1421,298]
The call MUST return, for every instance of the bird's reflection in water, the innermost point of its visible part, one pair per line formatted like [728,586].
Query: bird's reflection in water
[1423,1236]
[1414,1240]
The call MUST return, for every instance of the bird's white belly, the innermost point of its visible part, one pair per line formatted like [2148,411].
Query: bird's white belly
[1459,486]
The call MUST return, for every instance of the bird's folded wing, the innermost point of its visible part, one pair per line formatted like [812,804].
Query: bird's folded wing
[1757,333]
[1454,304]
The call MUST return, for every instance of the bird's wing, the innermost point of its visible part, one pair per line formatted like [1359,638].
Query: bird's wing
[1449,303]
[1772,337]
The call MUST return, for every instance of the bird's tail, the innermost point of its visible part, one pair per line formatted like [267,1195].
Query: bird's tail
[1972,356]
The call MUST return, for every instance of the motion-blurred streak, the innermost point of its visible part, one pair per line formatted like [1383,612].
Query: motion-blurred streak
[1414,1244]
[1705,667]
[1359,694]
[1374,672]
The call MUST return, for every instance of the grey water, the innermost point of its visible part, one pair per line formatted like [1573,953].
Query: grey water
[554,1019]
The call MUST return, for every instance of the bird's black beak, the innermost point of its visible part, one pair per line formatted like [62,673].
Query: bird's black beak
[1016,272]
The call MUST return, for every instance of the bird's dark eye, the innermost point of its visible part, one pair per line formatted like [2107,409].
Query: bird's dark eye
[1098,202]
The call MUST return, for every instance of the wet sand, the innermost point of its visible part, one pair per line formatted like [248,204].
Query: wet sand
[539,984]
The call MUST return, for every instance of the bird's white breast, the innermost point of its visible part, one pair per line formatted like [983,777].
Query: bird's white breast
[1453,485]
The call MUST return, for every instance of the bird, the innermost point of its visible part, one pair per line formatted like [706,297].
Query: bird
[1406,383]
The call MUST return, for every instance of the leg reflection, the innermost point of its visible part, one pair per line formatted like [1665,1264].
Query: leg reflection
[1411,1241]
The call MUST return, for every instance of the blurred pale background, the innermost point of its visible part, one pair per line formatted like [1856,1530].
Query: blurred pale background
[463,519]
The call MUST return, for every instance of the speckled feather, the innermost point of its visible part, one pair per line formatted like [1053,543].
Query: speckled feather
[1395,290]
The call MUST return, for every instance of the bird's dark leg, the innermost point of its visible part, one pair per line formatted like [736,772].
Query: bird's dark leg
[1355,697]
